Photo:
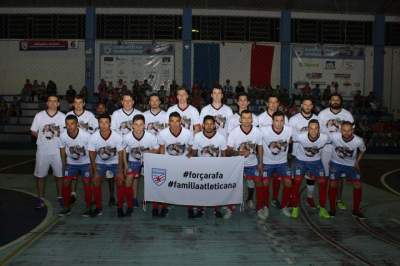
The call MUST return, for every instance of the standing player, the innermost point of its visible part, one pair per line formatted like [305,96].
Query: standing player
[208,143]
[189,114]
[348,152]
[136,143]
[174,141]
[156,119]
[47,127]
[242,100]
[308,161]
[87,122]
[299,123]
[265,120]
[276,139]
[218,110]
[106,154]
[246,141]
[330,120]
[75,158]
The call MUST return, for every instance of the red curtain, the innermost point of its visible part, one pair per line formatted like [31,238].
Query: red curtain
[261,65]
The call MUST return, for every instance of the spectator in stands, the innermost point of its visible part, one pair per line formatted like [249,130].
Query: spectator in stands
[51,88]
[326,95]
[65,106]
[84,92]
[239,88]
[35,89]
[42,92]
[147,89]
[136,88]
[14,110]
[228,89]
[120,85]
[162,93]
[306,90]
[316,93]
[70,94]
[26,92]
[3,110]
[100,109]
[102,90]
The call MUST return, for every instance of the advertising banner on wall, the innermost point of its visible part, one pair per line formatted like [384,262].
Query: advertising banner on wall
[43,45]
[327,65]
[138,61]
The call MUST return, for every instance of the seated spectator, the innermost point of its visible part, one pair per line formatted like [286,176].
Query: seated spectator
[228,89]
[239,88]
[26,92]
[102,90]
[42,92]
[35,89]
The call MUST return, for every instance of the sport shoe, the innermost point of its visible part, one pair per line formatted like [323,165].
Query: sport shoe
[111,202]
[295,213]
[154,212]
[332,214]
[135,203]
[73,199]
[64,212]
[190,213]
[40,204]
[87,213]
[96,212]
[227,214]
[341,205]
[266,211]
[261,214]
[310,203]
[120,212]
[276,204]
[323,213]
[60,202]
[164,212]
[285,211]
[359,215]
[129,212]
[250,204]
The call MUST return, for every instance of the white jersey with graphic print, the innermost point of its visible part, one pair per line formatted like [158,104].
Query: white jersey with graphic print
[221,116]
[175,145]
[76,148]
[265,119]
[190,116]
[49,129]
[121,121]
[240,141]
[209,147]
[275,144]
[330,122]
[234,121]
[106,148]
[299,124]
[309,150]
[87,121]
[135,147]
[155,122]
[345,152]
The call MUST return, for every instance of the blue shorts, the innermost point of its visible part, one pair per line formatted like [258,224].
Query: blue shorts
[250,172]
[313,169]
[103,168]
[338,171]
[280,170]
[134,168]
[72,171]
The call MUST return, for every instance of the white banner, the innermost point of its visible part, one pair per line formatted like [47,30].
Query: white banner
[198,181]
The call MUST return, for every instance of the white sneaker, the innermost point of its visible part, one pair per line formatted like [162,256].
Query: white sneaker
[261,214]
[227,214]
[250,204]
[266,211]
[286,212]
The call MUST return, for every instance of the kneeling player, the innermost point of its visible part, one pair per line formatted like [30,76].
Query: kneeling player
[106,151]
[348,151]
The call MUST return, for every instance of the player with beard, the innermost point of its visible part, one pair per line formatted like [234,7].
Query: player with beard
[136,143]
[308,161]
[299,123]
[190,117]
[87,122]
[265,120]
[246,140]
[330,120]
[156,119]
[75,158]
[208,143]
[174,141]
[242,101]
[218,110]
[106,154]
[276,140]
[47,126]
[348,152]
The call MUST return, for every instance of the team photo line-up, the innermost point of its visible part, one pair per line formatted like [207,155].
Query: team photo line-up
[324,150]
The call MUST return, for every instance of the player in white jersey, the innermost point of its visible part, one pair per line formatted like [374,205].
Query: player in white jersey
[348,152]
[121,119]
[330,120]
[299,123]
[242,100]
[208,143]
[246,140]
[136,143]
[276,139]
[189,115]
[308,161]
[265,120]
[156,119]
[106,154]
[87,122]
[47,127]
[174,141]
[218,110]
[74,144]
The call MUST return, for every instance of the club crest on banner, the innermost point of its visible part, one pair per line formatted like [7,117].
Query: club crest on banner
[158,176]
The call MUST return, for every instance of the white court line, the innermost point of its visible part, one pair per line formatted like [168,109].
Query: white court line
[15,165]
[383,181]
